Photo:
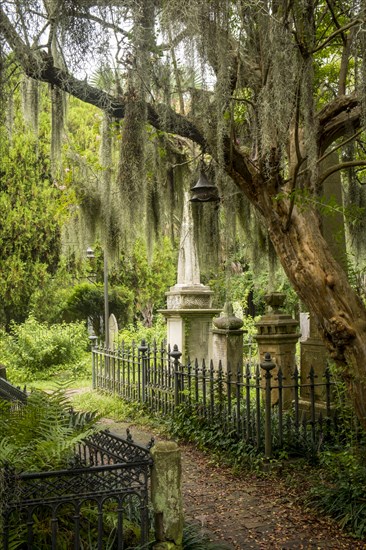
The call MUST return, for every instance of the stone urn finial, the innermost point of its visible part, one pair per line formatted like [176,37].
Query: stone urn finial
[275,301]
[228,321]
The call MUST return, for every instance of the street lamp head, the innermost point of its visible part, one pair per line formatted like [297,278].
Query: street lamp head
[204,191]
[90,253]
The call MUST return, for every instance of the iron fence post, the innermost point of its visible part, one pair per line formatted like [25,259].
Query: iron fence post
[247,377]
[228,392]
[176,355]
[143,349]
[92,340]
[280,379]
[258,406]
[204,400]
[267,366]
[312,377]
[328,383]
[296,388]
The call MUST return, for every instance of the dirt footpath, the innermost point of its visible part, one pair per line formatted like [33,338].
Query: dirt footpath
[245,513]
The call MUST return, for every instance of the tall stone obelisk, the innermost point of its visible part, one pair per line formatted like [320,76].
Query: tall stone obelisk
[189,310]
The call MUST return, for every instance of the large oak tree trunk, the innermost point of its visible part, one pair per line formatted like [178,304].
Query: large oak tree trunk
[323,286]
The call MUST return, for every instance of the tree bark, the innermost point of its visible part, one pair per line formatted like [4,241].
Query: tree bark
[320,283]
[323,286]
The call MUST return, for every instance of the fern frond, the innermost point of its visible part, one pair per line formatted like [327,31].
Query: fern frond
[7,451]
[43,434]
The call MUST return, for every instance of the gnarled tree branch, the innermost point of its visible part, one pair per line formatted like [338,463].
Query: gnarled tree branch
[337,119]
[338,167]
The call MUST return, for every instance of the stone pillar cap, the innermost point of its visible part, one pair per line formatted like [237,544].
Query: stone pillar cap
[228,320]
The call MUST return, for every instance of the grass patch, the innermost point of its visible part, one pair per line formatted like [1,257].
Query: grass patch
[87,399]
[108,406]
[61,381]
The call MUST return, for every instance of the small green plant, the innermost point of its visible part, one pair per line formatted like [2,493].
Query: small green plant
[109,406]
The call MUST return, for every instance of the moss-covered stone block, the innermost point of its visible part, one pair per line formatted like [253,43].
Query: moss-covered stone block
[166,495]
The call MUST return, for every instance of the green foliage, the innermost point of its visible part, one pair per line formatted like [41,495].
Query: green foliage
[211,434]
[341,492]
[32,210]
[148,278]
[48,301]
[337,487]
[88,527]
[135,333]
[35,350]
[83,125]
[212,430]
[61,299]
[325,205]
[86,300]
[107,405]
[137,287]
[234,286]
[41,435]
[236,282]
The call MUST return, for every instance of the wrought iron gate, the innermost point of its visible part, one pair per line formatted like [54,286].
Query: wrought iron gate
[101,501]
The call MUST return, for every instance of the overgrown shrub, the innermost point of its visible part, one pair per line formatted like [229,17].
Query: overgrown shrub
[34,350]
[41,435]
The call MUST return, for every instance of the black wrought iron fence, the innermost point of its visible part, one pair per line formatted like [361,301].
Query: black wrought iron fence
[12,393]
[101,501]
[257,404]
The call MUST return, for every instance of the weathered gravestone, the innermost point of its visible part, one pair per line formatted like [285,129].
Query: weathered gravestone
[113,331]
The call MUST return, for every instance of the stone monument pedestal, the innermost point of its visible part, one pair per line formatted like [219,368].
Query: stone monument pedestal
[189,320]
[278,335]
